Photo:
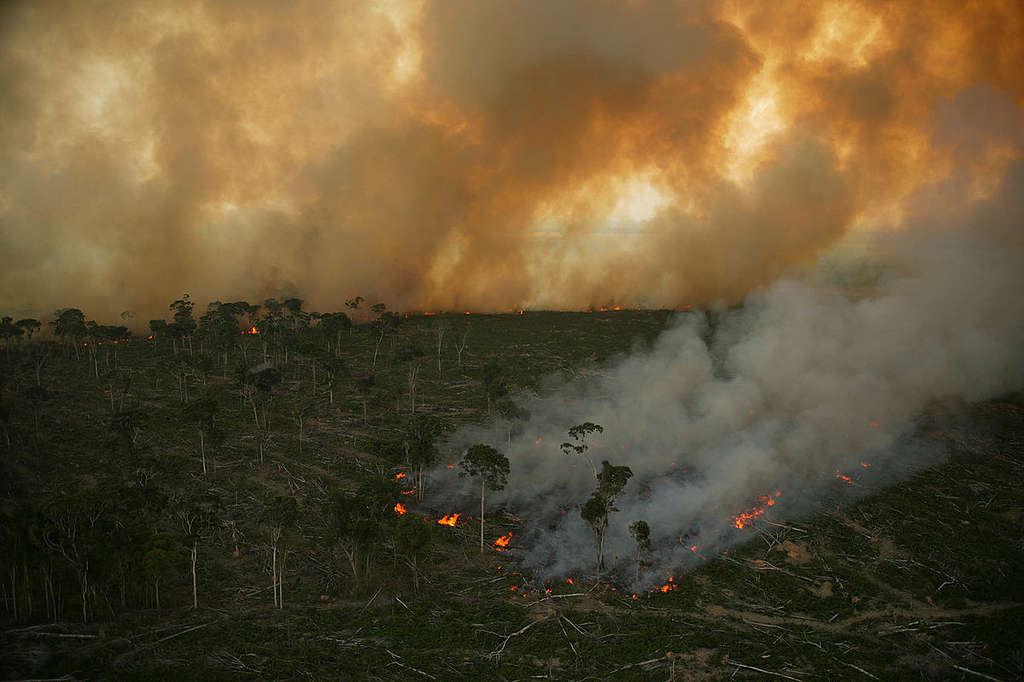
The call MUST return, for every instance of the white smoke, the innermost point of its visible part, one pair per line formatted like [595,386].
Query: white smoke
[802,383]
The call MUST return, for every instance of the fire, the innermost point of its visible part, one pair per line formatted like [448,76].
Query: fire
[569,580]
[449,520]
[865,465]
[400,509]
[252,330]
[538,441]
[450,466]
[693,548]
[743,519]
[845,478]
[501,543]
[400,475]
[410,491]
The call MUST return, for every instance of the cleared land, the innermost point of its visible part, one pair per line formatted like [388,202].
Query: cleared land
[918,581]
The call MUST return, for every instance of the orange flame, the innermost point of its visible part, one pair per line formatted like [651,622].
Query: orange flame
[693,548]
[743,519]
[451,466]
[400,509]
[865,465]
[501,543]
[400,475]
[569,580]
[845,478]
[410,491]
[252,330]
[449,520]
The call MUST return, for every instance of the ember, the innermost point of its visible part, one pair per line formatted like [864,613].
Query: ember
[743,519]
[502,543]
[845,478]
[400,509]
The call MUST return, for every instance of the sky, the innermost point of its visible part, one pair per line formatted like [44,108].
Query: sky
[486,156]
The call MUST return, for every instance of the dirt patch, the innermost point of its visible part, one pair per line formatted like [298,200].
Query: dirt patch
[796,552]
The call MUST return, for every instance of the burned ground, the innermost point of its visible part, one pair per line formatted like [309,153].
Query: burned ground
[917,580]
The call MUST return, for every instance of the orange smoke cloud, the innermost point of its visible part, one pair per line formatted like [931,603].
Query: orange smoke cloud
[462,155]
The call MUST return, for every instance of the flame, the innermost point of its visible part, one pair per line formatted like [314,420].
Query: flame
[501,543]
[634,596]
[400,509]
[865,465]
[845,478]
[569,580]
[538,441]
[743,519]
[410,491]
[449,520]
[450,466]
[400,475]
[693,548]
[252,330]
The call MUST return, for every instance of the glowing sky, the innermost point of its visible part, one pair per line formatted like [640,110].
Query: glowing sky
[480,155]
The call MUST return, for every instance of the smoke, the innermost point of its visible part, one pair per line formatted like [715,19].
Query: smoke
[483,156]
[801,384]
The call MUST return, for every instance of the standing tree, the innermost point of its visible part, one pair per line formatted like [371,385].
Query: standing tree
[440,328]
[280,514]
[492,468]
[641,533]
[461,346]
[579,434]
[184,324]
[29,325]
[493,376]
[69,325]
[602,503]
[203,413]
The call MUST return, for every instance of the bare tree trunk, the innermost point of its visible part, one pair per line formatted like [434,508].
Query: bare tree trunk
[273,571]
[202,449]
[481,514]
[195,592]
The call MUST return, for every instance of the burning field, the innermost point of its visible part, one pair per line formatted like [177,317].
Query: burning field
[654,339]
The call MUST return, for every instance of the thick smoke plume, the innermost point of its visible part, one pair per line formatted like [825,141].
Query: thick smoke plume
[802,385]
[477,155]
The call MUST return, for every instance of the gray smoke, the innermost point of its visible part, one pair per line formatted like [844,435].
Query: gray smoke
[802,383]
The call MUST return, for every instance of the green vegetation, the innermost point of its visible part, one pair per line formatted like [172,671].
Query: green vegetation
[211,503]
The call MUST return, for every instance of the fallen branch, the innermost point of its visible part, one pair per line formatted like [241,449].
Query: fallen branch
[976,673]
[761,670]
[862,670]
[497,652]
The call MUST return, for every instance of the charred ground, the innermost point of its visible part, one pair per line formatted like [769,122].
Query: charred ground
[916,581]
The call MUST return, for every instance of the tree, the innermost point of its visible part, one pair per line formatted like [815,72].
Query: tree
[9,331]
[412,539]
[203,413]
[493,377]
[602,503]
[440,328]
[641,533]
[29,325]
[157,558]
[420,444]
[461,346]
[579,433]
[280,515]
[184,324]
[69,325]
[492,468]
[357,521]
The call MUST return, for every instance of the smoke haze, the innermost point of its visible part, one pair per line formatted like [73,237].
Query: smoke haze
[483,156]
[801,385]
